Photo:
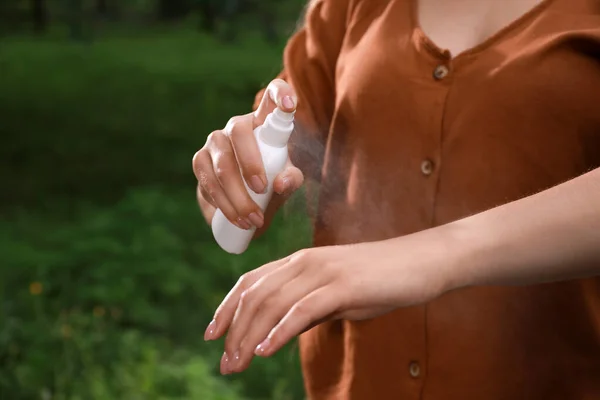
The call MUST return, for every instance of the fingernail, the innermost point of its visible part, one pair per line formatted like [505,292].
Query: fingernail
[236,360]
[257,184]
[225,364]
[286,185]
[288,102]
[211,329]
[243,224]
[263,347]
[257,219]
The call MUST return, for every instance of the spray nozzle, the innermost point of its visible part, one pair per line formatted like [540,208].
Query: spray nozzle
[284,115]
[277,128]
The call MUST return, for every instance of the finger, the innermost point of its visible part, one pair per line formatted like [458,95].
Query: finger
[278,94]
[319,321]
[260,309]
[239,130]
[208,210]
[198,163]
[210,186]
[288,181]
[269,315]
[227,173]
[223,364]
[226,310]
[204,194]
[316,306]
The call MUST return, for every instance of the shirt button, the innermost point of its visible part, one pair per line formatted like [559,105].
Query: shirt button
[440,72]
[414,369]
[427,167]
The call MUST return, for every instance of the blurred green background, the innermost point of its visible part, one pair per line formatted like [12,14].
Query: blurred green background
[109,274]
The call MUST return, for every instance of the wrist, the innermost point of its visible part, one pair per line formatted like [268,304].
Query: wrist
[471,254]
[458,252]
[439,260]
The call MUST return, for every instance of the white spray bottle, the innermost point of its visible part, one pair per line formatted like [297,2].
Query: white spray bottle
[272,138]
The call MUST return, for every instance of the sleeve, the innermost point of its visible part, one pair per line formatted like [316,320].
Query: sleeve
[309,64]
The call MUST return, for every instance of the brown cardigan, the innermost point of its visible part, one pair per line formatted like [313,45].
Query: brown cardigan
[402,138]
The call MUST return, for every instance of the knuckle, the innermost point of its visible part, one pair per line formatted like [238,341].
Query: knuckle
[233,125]
[222,173]
[302,256]
[248,299]
[210,139]
[241,126]
[302,309]
[218,140]
[244,281]
[222,168]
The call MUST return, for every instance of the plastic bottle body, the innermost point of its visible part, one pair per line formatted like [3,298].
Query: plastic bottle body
[228,236]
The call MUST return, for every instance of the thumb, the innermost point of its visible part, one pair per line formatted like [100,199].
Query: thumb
[288,181]
[279,94]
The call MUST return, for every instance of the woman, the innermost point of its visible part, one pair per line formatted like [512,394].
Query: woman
[417,116]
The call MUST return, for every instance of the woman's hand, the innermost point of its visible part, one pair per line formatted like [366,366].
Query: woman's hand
[217,165]
[270,305]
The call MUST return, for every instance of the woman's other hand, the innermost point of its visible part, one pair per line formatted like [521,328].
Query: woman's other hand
[270,305]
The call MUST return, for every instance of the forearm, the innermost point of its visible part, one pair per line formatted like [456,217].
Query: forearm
[550,236]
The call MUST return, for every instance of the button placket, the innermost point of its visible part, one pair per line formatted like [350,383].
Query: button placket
[440,72]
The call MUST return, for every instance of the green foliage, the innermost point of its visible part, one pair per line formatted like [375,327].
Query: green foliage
[85,20]
[77,107]
[109,273]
